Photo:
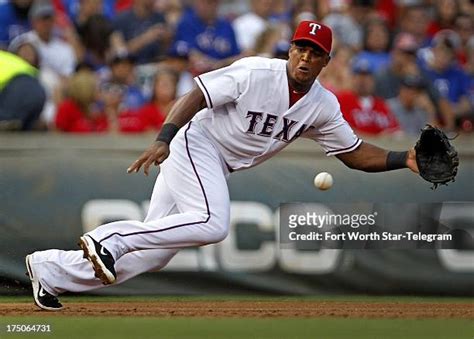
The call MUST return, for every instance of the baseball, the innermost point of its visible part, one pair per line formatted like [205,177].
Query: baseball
[323,181]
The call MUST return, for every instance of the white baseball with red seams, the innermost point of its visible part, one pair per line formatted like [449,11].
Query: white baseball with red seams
[323,181]
[248,119]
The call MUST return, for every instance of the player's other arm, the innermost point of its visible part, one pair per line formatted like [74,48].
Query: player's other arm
[180,114]
[370,158]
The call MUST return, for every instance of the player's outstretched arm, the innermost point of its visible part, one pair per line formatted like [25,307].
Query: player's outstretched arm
[370,158]
[181,113]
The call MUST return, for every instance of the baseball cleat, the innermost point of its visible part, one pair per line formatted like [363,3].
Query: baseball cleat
[42,298]
[101,259]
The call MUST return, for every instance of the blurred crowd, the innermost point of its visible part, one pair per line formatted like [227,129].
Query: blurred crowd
[97,66]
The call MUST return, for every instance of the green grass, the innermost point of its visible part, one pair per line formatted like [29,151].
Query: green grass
[115,328]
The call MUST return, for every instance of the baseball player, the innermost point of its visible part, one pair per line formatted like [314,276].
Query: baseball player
[235,118]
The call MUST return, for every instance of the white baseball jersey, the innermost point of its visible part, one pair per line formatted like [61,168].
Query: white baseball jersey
[249,119]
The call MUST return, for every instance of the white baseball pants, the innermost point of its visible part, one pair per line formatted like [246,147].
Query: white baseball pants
[189,207]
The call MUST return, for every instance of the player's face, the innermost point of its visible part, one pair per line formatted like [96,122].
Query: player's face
[305,63]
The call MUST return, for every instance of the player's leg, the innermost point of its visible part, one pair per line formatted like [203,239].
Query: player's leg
[67,271]
[195,176]
[53,272]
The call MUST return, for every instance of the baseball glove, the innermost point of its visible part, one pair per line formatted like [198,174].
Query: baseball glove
[436,158]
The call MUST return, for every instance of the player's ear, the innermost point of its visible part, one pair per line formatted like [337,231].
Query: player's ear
[292,47]
[328,58]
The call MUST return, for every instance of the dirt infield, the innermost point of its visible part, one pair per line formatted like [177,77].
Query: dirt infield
[253,309]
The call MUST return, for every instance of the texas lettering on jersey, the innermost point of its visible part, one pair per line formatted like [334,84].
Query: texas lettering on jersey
[249,117]
[266,128]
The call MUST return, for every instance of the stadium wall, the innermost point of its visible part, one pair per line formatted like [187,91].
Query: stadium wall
[55,187]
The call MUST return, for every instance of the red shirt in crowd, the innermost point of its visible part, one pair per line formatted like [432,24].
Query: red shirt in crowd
[367,115]
[70,118]
[153,116]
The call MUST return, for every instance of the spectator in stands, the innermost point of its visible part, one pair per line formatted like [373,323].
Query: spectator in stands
[21,95]
[412,107]
[467,122]
[337,75]
[302,10]
[464,27]
[446,12]
[64,28]
[280,11]
[112,96]
[211,39]
[13,20]
[366,113]
[48,80]
[469,67]
[163,97]
[79,11]
[249,26]
[404,63]
[90,108]
[122,5]
[27,51]
[82,17]
[466,7]
[172,10]
[178,61]
[389,11]
[57,57]
[142,32]
[363,11]
[55,54]
[95,34]
[415,20]
[447,76]
[281,50]
[346,29]
[119,120]
[376,44]
[267,41]
[122,74]
[79,112]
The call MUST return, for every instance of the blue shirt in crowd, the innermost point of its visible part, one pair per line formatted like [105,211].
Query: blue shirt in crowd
[11,24]
[452,83]
[72,8]
[132,26]
[470,89]
[379,61]
[133,99]
[216,41]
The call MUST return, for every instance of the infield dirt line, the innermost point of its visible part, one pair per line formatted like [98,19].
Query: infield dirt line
[252,309]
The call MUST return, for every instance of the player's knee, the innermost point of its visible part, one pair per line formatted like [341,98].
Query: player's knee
[220,230]
[218,235]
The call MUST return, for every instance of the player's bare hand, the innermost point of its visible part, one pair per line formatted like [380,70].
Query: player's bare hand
[155,154]
[411,161]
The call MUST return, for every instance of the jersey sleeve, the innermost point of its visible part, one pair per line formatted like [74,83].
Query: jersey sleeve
[223,85]
[334,135]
